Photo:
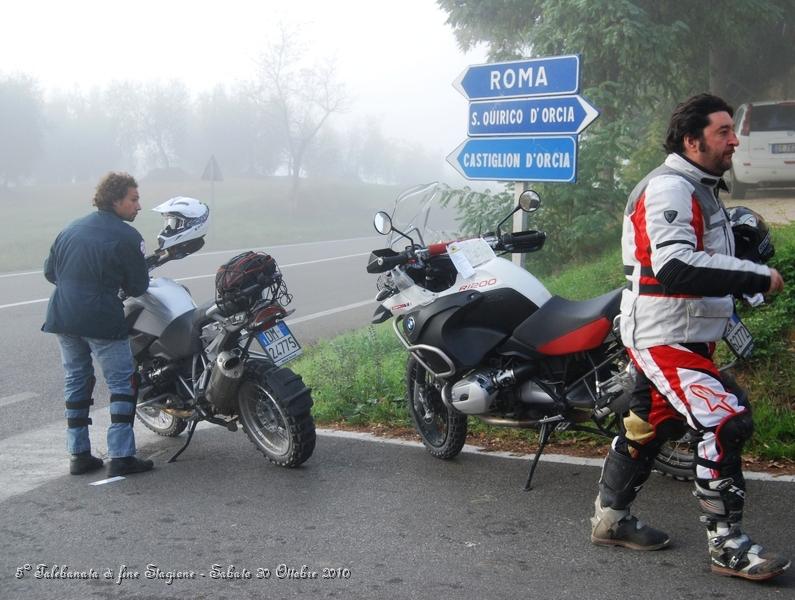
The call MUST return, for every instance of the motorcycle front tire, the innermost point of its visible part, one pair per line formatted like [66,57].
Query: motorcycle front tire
[442,429]
[275,411]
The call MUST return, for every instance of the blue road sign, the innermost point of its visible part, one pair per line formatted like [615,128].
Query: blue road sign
[545,158]
[552,76]
[532,116]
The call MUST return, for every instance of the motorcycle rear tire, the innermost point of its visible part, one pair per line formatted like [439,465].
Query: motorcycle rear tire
[275,412]
[443,431]
[160,422]
[677,458]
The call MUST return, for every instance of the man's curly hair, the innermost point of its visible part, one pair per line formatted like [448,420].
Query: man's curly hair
[113,188]
[690,118]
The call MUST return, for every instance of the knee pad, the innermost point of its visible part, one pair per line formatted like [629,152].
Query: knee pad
[122,408]
[736,431]
[731,437]
[621,480]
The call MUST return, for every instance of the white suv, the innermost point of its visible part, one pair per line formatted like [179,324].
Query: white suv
[766,154]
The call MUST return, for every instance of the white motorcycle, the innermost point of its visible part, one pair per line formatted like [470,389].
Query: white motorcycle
[485,338]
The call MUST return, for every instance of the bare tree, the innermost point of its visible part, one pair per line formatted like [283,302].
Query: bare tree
[300,97]
[165,118]
[21,127]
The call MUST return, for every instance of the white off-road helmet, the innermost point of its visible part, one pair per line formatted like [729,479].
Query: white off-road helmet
[186,219]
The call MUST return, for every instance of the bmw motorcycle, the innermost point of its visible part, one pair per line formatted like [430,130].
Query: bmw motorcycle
[196,363]
[486,339]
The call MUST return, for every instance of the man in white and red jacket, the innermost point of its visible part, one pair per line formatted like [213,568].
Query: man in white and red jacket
[679,257]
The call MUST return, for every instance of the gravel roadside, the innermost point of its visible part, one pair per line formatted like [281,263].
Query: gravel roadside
[776,206]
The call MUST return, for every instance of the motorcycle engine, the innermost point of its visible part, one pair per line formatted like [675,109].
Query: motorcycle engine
[475,394]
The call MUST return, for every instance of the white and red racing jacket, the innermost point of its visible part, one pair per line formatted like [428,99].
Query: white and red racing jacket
[678,254]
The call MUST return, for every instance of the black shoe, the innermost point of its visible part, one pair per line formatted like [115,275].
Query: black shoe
[128,465]
[83,462]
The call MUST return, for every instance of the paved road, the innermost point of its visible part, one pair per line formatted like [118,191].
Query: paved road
[331,293]
[404,525]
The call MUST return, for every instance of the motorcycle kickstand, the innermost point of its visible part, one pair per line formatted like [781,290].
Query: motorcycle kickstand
[543,437]
[191,430]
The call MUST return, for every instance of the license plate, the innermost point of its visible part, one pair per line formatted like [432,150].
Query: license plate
[739,338]
[279,343]
[782,148]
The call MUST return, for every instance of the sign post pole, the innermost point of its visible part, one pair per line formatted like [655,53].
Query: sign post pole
[212,173]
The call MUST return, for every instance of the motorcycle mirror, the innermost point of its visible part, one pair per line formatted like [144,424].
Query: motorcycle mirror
[529,201]
[382,222]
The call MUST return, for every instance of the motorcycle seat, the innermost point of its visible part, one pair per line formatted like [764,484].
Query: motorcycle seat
[200,318]
[563,326]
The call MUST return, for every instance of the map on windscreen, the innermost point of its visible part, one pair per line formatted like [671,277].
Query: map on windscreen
[468,254]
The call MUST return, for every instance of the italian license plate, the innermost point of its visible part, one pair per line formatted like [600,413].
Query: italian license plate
[279,343]
[739,338]
[782,148]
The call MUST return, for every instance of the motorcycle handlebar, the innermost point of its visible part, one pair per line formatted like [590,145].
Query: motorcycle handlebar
[390,262]
[523,241]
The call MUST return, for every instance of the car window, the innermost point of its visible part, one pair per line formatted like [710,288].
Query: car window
[738,117]
[773,117]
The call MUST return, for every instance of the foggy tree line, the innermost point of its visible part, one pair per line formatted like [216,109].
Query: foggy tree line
[161,129]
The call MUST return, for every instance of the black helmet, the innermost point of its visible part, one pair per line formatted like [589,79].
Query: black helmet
[751,235]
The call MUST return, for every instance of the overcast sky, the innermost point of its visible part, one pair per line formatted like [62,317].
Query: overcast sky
[397,59]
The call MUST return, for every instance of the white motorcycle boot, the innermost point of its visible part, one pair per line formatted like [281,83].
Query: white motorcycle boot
[612,524]
[611,527]
[732,553]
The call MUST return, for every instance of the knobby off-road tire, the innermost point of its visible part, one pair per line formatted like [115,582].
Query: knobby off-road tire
[677,458]
[159,422]
[442,429]
[274,407]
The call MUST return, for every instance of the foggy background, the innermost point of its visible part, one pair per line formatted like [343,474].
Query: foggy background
[352,90]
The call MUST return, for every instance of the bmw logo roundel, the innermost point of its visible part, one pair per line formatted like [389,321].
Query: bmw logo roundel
[410,324]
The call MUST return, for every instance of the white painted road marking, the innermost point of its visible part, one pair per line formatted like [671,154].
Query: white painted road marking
[4,275]
[33,458]
[300,264]
[214,252]
[8,400]
[331,311]
[23,303]
[109,480]
[552,458]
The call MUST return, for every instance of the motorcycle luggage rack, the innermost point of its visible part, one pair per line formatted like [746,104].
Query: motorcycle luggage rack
[413,350]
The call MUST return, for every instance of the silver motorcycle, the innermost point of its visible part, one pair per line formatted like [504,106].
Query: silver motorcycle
[196,363]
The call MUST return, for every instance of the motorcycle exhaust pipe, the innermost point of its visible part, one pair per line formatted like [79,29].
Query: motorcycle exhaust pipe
[225,380]
[503,422]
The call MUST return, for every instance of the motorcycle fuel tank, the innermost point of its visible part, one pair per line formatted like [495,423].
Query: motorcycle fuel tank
[163,303]
[500,273]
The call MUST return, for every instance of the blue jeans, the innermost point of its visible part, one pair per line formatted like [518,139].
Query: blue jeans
[115,359]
